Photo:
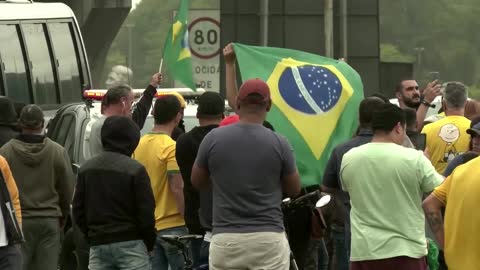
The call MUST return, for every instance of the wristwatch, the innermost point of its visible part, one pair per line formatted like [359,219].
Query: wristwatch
[427,103]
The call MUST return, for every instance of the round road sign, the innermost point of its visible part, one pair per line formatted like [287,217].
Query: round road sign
[204,37]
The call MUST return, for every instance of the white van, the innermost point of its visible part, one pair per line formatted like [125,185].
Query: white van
[42,55]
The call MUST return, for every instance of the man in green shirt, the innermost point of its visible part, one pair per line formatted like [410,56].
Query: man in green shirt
[386,181]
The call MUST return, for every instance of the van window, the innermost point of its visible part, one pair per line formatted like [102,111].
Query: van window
[14,65]
[67,59]
[44,88]
[62,132]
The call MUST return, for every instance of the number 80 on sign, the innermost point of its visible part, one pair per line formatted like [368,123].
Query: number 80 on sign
[204,37]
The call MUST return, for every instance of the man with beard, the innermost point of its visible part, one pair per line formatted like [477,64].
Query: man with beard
[409,96]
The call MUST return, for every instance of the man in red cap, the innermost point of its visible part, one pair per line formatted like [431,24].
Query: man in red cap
[247,188]
[231,86]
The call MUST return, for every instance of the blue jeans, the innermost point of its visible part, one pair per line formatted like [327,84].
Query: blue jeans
[128,255]
[204,253]
[199,252]
[165,254]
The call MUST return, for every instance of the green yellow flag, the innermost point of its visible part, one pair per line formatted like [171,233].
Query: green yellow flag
[315,101]
[176,52]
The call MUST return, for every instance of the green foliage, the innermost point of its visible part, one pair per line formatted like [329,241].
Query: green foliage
[390,53]
[474,92]
[447,30]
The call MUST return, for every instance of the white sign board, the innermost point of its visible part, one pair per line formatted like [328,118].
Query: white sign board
[204,41]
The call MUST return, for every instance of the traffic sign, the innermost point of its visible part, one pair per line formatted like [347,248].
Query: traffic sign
[204,37]
[204,42]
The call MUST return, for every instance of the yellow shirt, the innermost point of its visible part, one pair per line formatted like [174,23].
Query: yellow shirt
[156,151]
[446,139]
[12,188]
[460,192]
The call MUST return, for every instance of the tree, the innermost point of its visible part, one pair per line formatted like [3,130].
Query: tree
[445,29]
[390,53]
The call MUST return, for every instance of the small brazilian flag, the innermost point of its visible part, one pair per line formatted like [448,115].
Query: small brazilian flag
[176,52]
[315,101]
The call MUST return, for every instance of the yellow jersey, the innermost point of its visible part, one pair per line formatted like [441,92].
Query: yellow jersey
[446,139]
[459,192]
[156,151]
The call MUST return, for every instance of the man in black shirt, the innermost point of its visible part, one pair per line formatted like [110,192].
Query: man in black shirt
[198,205]
[113,203]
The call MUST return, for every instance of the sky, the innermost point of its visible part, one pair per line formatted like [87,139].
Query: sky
[135,3]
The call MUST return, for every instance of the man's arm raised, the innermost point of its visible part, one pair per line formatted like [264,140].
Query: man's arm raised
[429,94]
[230,75]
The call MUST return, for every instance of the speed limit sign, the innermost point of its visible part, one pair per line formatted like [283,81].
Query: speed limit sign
[204,37]
[204,43]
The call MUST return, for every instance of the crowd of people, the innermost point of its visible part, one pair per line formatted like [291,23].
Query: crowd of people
[225,180]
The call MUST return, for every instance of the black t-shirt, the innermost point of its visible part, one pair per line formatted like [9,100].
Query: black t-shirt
[195,202]
[331,176]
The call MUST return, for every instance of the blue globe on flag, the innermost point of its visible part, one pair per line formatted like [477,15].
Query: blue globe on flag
[310,89]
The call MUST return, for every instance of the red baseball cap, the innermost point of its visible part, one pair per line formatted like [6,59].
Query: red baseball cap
[230,120]
[254,86]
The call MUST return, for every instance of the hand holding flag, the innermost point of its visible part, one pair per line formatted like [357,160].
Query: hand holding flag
[176,52]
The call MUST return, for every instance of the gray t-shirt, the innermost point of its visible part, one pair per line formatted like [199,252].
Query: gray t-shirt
[94,140]
[246,164]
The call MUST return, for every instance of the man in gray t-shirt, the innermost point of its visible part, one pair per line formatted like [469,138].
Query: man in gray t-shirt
[250,167]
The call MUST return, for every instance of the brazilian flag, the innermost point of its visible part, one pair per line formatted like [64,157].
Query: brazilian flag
[315,101]
[176,52]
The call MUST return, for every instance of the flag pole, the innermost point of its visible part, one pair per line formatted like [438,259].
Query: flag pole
[159,71]
[161,64]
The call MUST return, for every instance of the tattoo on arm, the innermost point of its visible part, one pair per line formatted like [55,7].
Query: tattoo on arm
[435,220]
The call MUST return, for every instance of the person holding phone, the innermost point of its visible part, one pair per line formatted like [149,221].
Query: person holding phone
[409,96]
